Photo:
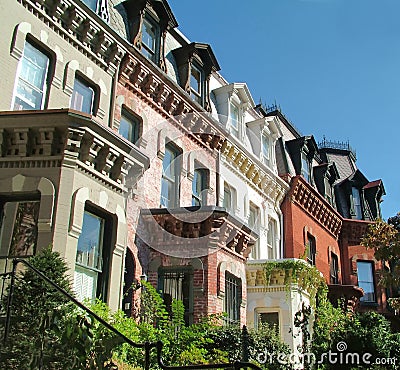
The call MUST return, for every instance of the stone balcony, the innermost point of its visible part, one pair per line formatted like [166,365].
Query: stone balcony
[279,279]
[193,232]
[62,137]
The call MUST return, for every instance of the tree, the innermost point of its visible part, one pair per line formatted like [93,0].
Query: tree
[36,308]
[384,238]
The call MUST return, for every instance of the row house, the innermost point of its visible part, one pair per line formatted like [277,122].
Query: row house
[327,211]
[125,149]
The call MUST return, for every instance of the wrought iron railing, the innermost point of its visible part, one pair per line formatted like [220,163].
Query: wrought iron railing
[147,346]
[341,145]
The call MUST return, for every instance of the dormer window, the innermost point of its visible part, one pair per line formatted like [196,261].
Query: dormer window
[196,83]
[195,63]
[232,102]
[150,32]
[149,20]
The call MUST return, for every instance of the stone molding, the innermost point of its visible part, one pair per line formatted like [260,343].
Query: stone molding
[93,37]
[311,202]
[67,138]
[261,179]
[169,100]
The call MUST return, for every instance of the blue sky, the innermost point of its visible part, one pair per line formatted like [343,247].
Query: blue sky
[332,65]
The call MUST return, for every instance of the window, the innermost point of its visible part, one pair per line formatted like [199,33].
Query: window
[150,33]
[311,249]
[266,149]
[234,119]
[196,82]
[199,187]
[269,318]
[365,277]
[357,203]
[254,224]
[129,127]
[228,202]
[82,98]
[177,283]
[328,190]
[271,244]
[305,167]
[170,178]
[233,297]
[19,227]
[334,269]
[91,264]
[31,84]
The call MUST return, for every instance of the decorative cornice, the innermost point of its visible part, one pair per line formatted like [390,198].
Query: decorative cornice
[184,232]
[139,76]
[260,177]
[86,32]
[55,138]
[311,202]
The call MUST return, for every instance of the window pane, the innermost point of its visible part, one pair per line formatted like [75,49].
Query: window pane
[199,186]
[129,128]
[170,178]
[305,167]
[19,227]
[265,146]
[254,225]
[177,284]
[82,97]
[90,241]
[271,319]
[366,281]
[271,239]
[149,39]
[311,249]
[195,79]
[357,203]
[234,119]
[227,203]
[32,77]
[334,269]
[233,297]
